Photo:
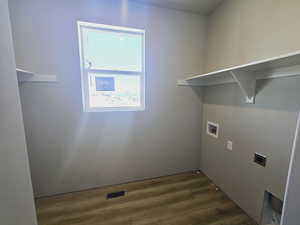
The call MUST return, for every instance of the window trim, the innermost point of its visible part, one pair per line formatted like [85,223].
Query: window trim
[84,72]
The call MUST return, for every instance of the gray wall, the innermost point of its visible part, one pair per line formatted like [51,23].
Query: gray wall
[16,196]
[292,199]
[241,32]
[70,150]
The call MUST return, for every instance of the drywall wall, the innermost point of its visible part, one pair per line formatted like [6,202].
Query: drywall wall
[266,127]
[290,215]
[241,32]
[16,196]
[70,150]
[245,31]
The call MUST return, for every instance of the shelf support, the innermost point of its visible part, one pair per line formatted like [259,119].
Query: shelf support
[189,83]
[26,76]
[247,83]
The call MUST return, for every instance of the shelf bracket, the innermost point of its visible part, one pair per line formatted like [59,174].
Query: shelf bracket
[26,76]
[247,83]
[189,83]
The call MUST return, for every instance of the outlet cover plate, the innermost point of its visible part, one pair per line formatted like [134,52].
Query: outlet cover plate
[229,145]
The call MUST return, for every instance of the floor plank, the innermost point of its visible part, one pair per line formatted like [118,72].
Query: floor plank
[184,199]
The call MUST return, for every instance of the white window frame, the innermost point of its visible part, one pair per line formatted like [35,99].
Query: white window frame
[84,72]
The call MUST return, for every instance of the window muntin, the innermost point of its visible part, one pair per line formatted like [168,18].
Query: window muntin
[112,67]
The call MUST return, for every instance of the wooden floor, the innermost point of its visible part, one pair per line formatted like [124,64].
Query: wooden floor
[184,199]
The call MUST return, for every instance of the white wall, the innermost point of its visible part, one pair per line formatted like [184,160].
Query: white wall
[70,150]
[16,196]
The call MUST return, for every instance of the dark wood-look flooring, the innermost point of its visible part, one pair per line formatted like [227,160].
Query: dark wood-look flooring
[184,199]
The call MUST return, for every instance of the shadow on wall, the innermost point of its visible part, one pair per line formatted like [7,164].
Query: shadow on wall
[276,94]
[266,127]
[198,91]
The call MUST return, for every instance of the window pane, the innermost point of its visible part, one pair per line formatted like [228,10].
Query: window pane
[109,50]
[107,90]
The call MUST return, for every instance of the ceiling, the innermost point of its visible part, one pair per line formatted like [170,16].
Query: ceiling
[204,7]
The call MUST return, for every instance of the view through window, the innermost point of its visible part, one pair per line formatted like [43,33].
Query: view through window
[112,67]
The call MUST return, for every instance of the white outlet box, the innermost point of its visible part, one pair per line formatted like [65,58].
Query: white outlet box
[212,129]
[229,145]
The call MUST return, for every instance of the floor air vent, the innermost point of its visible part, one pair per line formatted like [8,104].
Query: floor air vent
[115,194]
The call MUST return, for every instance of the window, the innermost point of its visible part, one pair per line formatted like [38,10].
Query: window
[112,67]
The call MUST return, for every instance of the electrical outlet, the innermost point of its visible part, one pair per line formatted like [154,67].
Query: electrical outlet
[229,145]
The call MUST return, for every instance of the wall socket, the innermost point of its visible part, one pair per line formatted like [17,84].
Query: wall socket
[229,145]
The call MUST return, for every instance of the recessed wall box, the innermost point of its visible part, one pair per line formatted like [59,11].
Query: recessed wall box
[272,209]
[212,129]
[260,159]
